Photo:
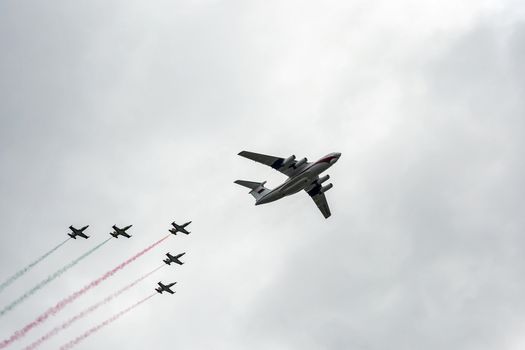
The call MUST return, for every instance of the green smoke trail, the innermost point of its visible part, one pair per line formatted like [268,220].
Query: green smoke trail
[20,273]
[50,278]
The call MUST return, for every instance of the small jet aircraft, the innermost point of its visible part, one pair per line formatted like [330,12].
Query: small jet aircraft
[179,228]
[78,232]
[120,231]
[302,175]
[165,288]
[174,259]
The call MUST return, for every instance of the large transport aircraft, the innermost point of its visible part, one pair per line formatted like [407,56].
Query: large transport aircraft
[165,288]
[120,231]
[78,232]
[302,175]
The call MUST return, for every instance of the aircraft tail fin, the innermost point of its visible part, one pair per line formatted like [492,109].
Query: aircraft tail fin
[257,188]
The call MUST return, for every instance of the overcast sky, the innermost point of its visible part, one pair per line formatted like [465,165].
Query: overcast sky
[133,112]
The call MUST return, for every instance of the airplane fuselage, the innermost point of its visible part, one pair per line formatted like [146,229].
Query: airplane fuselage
[303,179]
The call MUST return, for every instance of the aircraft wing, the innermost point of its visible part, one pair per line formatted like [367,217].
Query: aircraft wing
[322,204]
[277,163]
[315,191]
[83,235]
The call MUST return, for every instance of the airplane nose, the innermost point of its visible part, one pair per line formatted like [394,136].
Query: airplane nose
[336,155]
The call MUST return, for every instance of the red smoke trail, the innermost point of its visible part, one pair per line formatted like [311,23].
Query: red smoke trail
[51,278]
[64,302]
[89,310]
[110,320]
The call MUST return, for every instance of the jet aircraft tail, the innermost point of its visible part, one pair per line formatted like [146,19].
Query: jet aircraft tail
[257,188]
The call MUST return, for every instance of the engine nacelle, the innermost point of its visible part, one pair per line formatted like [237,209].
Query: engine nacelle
[326,188]
[301,162]
[323,179]
[288,161]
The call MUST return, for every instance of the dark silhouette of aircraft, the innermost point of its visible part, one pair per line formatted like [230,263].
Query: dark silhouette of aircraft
[179,228]
[120,231]
[78,232]
[165,288]
[174,259]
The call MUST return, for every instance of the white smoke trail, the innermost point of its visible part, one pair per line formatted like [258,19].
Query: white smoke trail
[98,327]
[49,279]
[52,311]
[88,310]
[23,271]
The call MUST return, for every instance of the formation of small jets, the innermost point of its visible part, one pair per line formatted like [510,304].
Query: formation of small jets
[122,232]
[302,175]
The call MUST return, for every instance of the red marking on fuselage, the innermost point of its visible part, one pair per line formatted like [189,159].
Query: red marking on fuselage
[326,159]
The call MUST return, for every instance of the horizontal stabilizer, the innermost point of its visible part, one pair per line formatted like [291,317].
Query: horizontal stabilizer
[250,184]
[257,188]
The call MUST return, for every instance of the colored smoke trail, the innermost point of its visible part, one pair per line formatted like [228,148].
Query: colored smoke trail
[88,310]
[49,279]
[98,327]
[22,272]
[64,302]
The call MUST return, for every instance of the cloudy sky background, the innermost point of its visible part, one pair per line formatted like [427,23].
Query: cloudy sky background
[117,112]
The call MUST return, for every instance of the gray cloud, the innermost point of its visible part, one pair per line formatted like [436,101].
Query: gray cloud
[117,113]
[428,254]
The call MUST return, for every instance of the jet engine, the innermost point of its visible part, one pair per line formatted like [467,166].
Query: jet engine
[323,179]
[301,162]
[326,188]
[288,161]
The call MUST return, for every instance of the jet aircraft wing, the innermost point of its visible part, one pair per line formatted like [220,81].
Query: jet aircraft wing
[286,166]
[315,191]
[322,204]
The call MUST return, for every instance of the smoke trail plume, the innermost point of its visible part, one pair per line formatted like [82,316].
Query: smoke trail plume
[88,310]
[20,273]
[64,302]
[110,320]
[50,278]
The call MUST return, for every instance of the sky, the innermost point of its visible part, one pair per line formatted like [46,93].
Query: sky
[132,112]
